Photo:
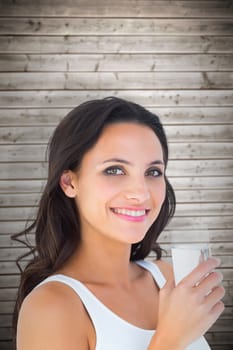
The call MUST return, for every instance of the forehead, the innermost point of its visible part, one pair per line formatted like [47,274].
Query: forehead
[127,138]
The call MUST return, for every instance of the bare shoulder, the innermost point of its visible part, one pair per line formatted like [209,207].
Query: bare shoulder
[166,269]
[52,317]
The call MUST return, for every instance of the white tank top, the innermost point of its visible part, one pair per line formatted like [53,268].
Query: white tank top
[113,332]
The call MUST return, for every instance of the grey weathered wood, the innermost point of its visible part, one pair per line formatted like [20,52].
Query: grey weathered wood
[173,57]
[5,321]
[114,26]
[8,241]
[10,267]
[5,333]
[160,98]
[211,198]
[21,186]
[173,115]
[185,134]
[13,280]
[171,234]
[179,183]
[178,223]
[191,235]
[107,8]
[6,345]
[19,152]
[194,182]
[115,80]
[38,170]
[188,196]
[220,338]
[8,295]
[114,44]
[115,62]
[186,209]
[200,223]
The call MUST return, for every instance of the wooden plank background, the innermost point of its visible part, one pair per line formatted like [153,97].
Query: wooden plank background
[174,57]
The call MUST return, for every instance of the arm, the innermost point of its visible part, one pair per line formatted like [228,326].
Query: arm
[187,311]
[51,318]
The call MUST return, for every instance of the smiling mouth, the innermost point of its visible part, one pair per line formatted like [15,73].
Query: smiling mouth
[132,213]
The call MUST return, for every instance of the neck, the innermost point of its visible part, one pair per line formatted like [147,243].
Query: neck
[102,261]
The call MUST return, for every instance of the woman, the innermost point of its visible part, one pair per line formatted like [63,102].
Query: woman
[106,201]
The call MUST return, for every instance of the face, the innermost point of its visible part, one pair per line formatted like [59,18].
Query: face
[120,186]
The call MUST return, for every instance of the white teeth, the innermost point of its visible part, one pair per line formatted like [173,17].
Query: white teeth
[129,212]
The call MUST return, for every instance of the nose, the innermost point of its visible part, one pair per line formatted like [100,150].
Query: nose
[137,191]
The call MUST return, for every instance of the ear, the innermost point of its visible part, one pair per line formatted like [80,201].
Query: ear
[66,183]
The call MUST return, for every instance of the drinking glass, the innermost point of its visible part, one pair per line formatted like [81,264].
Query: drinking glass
[185,257]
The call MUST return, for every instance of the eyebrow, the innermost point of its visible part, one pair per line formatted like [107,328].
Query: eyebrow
[119,160]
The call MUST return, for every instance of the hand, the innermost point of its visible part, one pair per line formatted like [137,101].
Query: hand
[188,310]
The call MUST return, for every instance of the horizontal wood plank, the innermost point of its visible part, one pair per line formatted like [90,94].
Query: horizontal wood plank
[115,63]
[179,183]
[184,134]
[6,345]
[200,150]
[160,98]
[116,80]
[107,8]
[201,223]
[6,333]
[38,170]
[169,116]
[8,294]
[207,199]
[5,321]
[10,267]
[116,44]
[114,26]
[191,236]
[216,248]
[177,236]
[170,234]
[12,281]
[220,338]
[221,347]
[182,210]
[178,223]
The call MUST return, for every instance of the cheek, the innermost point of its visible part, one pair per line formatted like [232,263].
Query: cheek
[94,195]
[160,192]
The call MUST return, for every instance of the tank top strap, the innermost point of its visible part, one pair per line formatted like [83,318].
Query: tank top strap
[87,297]
[154,270]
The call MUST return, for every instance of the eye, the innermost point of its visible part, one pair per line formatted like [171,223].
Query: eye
[154,172]
[114,170]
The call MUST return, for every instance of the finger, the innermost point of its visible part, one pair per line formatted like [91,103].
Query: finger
[209,282]
[216,311]
[200,271]
[215,296]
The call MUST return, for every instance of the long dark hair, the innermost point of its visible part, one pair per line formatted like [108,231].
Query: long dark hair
[57,225]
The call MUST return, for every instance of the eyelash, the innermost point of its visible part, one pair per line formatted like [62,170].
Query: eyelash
[113,171]
[158,171]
